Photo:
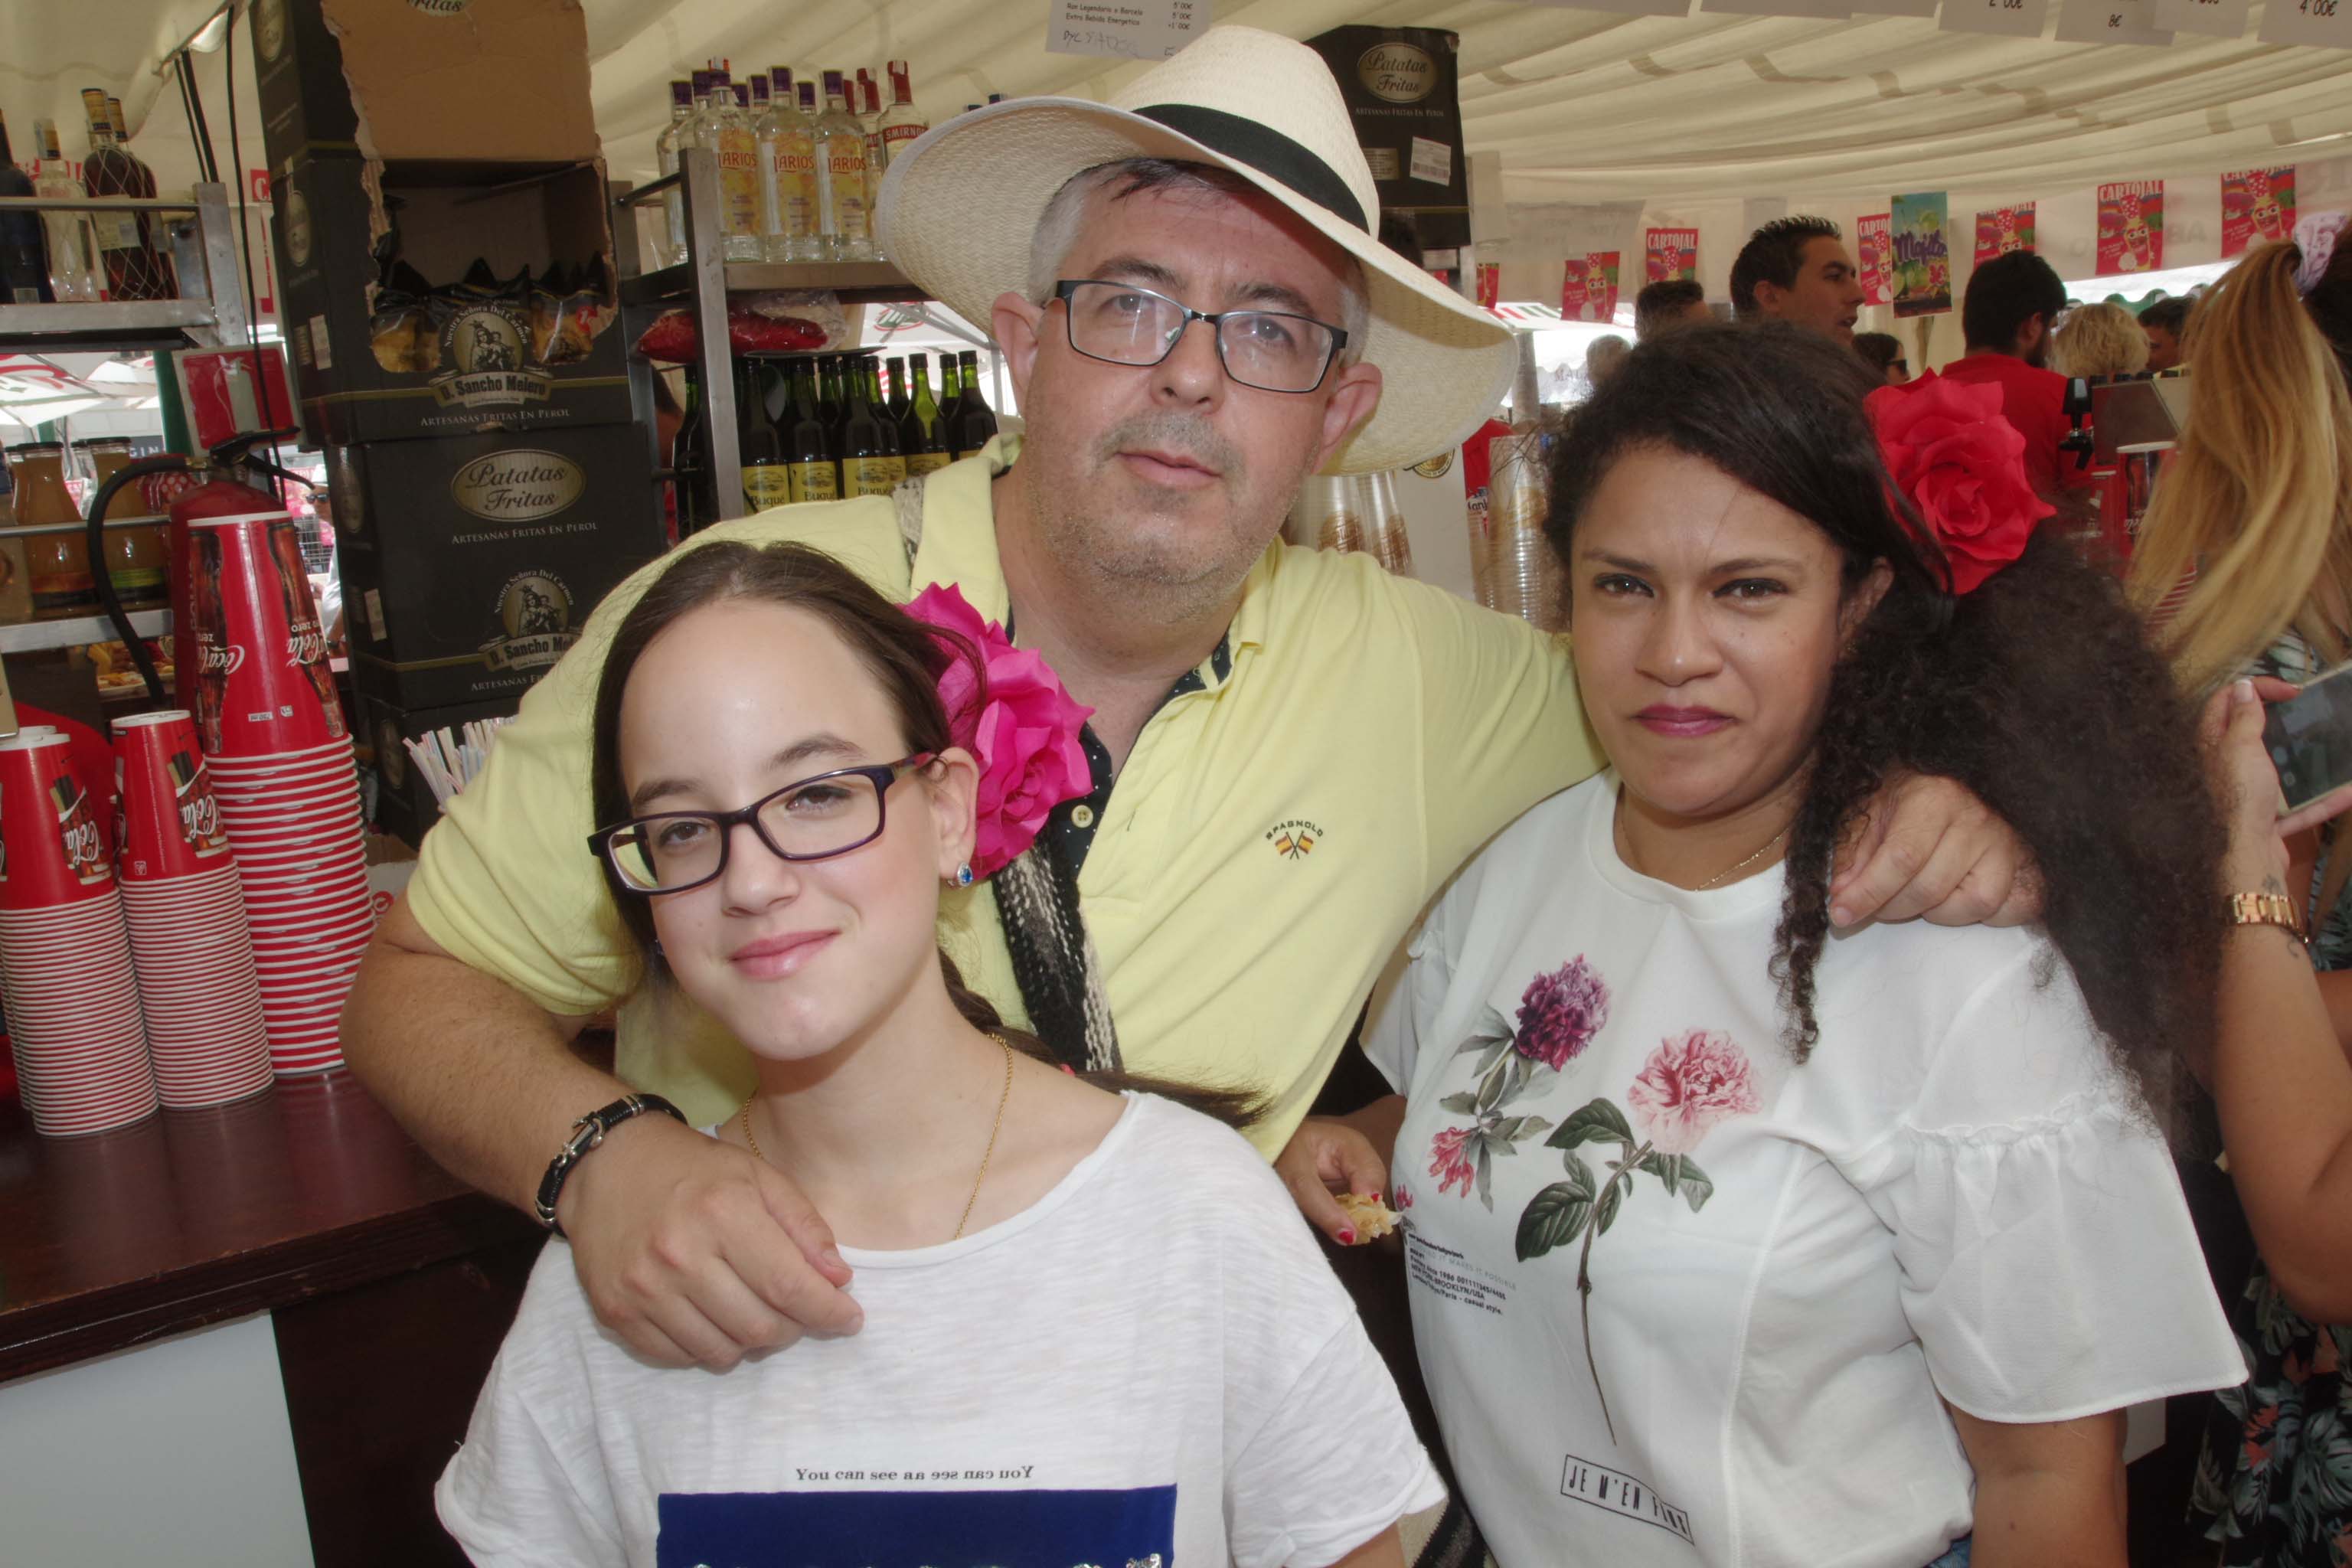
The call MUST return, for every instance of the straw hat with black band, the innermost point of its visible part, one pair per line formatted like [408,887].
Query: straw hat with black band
[959,206]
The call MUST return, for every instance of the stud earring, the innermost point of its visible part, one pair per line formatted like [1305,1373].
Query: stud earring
[963,875]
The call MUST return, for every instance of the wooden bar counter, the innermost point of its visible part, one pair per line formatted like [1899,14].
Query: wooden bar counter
[386,1285]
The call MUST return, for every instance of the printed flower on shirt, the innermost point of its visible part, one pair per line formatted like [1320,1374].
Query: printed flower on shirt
[1448,1162]
[1688,1088]
[1560,1013]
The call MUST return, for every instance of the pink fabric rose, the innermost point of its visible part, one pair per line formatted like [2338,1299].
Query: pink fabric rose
[1962,467]
[1447,1163]
[1019,725]
[1686,1087]
[1560,1012]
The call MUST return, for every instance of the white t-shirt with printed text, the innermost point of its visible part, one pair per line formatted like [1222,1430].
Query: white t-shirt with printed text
[1954,1198]
[1152,1365]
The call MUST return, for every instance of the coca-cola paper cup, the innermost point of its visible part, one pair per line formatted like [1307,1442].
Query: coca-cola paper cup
[171,823]
[52,852]
[262,683]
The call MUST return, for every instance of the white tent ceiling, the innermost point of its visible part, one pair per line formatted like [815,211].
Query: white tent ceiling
[1583,106]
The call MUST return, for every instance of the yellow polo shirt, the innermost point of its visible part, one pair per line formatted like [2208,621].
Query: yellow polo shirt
[1271,838]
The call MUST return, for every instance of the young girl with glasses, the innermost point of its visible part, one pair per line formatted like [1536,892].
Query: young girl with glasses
[1095,1330]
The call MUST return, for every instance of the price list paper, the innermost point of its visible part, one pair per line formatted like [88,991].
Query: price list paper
[2326,23]
[2110,22]
[2003,18]
[2215,18]
[1124,29]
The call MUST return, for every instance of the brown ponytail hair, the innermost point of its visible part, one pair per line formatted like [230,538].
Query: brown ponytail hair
[905,657]
[2258,499]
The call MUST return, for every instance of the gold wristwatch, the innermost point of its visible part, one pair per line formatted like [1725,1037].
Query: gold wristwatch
[2265,910]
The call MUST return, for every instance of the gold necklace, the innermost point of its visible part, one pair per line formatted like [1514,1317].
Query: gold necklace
[1625,844]
[744,1115]
[1760,854]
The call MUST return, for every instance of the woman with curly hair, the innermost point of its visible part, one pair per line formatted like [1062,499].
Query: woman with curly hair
[1747,1236]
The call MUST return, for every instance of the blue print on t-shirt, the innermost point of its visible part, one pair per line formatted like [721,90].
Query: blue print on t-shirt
[916,1529]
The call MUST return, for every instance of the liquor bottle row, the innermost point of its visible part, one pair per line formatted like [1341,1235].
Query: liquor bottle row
[823,427]
[74,257]
[798,177]
[56,563]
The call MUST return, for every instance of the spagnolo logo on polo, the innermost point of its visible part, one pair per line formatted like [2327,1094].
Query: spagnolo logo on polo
[521,484]
[488,345]
[1397,73]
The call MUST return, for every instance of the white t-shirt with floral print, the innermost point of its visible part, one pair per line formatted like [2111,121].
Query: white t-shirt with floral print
[1682,1300]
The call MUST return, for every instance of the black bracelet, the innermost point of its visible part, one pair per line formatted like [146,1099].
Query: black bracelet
[586,1135]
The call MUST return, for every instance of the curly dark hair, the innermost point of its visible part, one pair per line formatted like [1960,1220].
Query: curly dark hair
[2039,691]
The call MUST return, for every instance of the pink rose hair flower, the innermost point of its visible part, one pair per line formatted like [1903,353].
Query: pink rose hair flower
[1560,1012]
[1011,714]
[1447,1161]
[1686,1087]
[1962,467]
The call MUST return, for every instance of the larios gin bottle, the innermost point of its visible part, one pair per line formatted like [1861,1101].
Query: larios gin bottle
[844,215]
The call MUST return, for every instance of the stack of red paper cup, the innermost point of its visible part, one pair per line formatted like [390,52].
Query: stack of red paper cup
[73,1001]
[186,911]
[283,772]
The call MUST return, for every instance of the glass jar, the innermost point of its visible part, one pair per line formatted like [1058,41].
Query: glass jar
[134,557]
[57,562]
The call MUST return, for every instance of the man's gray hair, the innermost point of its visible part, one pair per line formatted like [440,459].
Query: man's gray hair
[1057,229]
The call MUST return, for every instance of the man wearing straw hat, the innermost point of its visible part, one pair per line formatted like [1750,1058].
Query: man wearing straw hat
[1292,750]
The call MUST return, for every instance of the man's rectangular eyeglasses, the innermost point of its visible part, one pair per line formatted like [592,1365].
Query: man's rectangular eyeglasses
[811,819]
[1273,350]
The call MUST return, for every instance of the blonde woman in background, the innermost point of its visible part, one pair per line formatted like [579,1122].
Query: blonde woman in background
[2099,342]
[2253,515]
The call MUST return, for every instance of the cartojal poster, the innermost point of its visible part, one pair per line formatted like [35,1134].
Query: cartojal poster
[2002,230]
[1588,292]
[1874,240]
[1923,254]
[2131,226]
[2256,204]
[1670,254]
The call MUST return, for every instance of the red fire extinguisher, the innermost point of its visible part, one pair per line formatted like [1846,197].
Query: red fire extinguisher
[227,481]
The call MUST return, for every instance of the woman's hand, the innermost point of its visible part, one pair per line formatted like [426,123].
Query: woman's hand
[1325,1156]
[2248,786]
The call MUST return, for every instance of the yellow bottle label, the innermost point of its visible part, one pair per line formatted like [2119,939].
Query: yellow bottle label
[974,452]
[816,482]
[844,171]
[766,485]
[871,476]
[794,168]
[928,462]
[738,180]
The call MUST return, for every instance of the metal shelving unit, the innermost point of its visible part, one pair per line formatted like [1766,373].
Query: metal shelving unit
[701,284]
[207,319]
[210,313]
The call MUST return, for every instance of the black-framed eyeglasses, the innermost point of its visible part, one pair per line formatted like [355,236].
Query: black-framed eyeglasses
[1271,350]
[809,819]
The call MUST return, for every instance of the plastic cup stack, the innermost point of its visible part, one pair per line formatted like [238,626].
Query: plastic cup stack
[285,778]
[189,943]
[73,998]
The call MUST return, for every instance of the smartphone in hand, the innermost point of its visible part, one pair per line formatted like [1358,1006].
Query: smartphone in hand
[2309,738]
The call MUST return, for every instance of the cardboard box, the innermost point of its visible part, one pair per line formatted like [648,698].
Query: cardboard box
[375,364]
[405,802]
[468,565]
[1402,88]
[423,79]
